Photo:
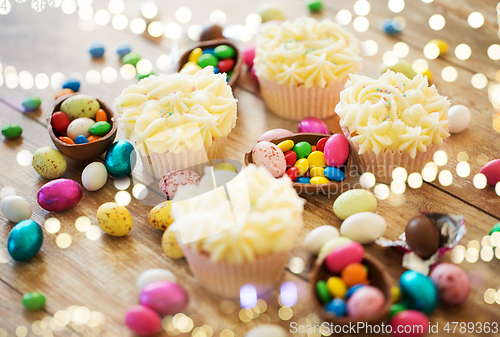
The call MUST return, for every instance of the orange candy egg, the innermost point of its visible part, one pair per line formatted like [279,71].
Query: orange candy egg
[66,140]
[313,148]
[64,92]
[353,274]
[101,116]
[93,138]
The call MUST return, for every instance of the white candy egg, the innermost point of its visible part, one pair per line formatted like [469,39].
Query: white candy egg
[94,176]
[153,275]
[363,227]
[460,117]
[318,237]
[16,208]
[80,126]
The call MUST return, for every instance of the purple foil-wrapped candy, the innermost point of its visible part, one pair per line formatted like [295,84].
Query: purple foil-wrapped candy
[314,125]
[59,195]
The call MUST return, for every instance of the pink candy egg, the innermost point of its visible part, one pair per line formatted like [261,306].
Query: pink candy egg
[166,298]
[174,179]
[451,282]
[314,125]
[413,318]
[336,150]
[365,302]
[249,54]
[274,133]
[59,195]
[492,172]
[142,321]
[271,157]
[344,255]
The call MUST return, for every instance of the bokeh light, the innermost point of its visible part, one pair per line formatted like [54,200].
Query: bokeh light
[26,80]
[149,10]
[479,181]
[449,74]
[401,49]
[194,32]
[369,47]
[463,169]
[83,224]
[122,183]
[52,225]
[109,75]
[127,72]
[463,51]
[144,66]
[138,26]
[56,81]
[183,14]
[63,241]
[420,66]
[381,191]
[398,187]
[93,233]
[123,198]
[399,174]
[173,30]
[343,17]
[390,58]
[494,52]
[415,180]
[119,22]
[116,6]
[86,13]
[156,29]
[396,6]
[68,6]
[248,296]
[458,254]
[93,77]
[367,180]
[164,62]
[102,17]
[431,51]
[479,81]
[440,158]
[429,172]
[288,294]
[475,19]
[140,191]
[362,7]
[437,22]
[361,24]
[218,17]
[445,178]
[42,81]
[24,158]
[296,265]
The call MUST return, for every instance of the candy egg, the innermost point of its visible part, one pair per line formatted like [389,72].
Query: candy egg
[160,216]
[169,244]
[100,128]
[293,173]
[225,65]
[206,60]
[353,274]
[270,330]
[81,139]
[71,83]
[452,283]
[174,179]
[16,208]
[290,158]
[334,174]
[249,54]
[286,145]
[31,102]
[94,176]
[336,150]
[417,320]
[225,167]
[402,66]
[354,201]
[441,44]
[344,255]
[80,126]
[396,309]
[396,294]
[60,121]
[123,49]
[322,292]
[101,116]
[166,298]
[80,105]
[459,116]
[154,275]
[363,227]
[49,163]
[329,246]
[142,320]
[93,138]
[422,236]
[302,149]
[419,292]
[96,50]
[195,55]
[120,159]
[317,172]
[270,12]
[33,300]
[318,237]
[316,159]
[391,26]
[271,157]
[131,58]
[63,92]
[66,140]
[312,124]
[114,219]
[353,289]
[365,301]
[302,165]
[25,240]
[319,180]
[12,131]
[59,195]
[492,172]
[303,180]
[224,52]
[274,133]
[337,307]
[336,287]
[320,145]
[315,5]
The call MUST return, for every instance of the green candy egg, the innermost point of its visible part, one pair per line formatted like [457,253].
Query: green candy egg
[302,149]
[33,300]
[402,66]
[419,292]
[100,128]
[495,228]
[31,102]
[224,52]
[141,76]
[322,292]
[396,309]
[315,5]
[206,60]
[131,58]
[80,105]
[12,131]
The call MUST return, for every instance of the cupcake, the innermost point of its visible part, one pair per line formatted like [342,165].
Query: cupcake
[239,234]
[303,65]
[393,122]
[177,121]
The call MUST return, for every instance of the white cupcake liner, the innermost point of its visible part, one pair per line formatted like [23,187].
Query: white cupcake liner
[226,279]
[159,164]
[298,102]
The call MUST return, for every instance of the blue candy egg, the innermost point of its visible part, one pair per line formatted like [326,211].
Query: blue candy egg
[419,292]
[96,49]
[120,159]
[391,26]
[216,70]
[25,240]
[71,83]
[123,49]
[334,174]
[336,307]
[81,139]
[209,51]
[353,289]
[303,180]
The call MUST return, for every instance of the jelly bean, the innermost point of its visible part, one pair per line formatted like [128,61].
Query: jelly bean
[66,140]
[396,309]
[249,54]
[317,159]
[320,145]
[313,148]
[226,65]
[142,320]
[303,149]
[303,180]
[31,102]
[317,172]
[206,60]
[319,181]
[344,255]
[290,158]
[322,292]
[292,173]
[81,139]
[100,128]
[93,138]
[315,5]
[131,58]
[13,130]
[391,26]
[336,287]
[33,300]
[353,274]
[123,49]
[441,44]
[336,150]
[63,92]
[216,71]
[224,52]
[209,51]
[334,174]
[71,83]
[286,145]
[337,307]
[396,294]
[60,121]
[195,55]
[302,165]
[97,50]
[101,116]
[353,289]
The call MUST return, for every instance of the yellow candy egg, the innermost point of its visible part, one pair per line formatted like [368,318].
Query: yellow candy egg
[317,159]
[225,167]
[336,287]
[190,68]
[319,181]
[195,55]
[160,216]
[317,172]
[114,219]
[428,73]
[286,145]
[170,246]
[442,45]
[396,294]
[302,165]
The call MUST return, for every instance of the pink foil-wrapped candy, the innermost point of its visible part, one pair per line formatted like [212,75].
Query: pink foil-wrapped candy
[59,195]
[314,125]
[166,298]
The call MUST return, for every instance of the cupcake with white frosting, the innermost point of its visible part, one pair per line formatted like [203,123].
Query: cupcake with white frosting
[240,233]
[393,121]
[177,121]
[303,65]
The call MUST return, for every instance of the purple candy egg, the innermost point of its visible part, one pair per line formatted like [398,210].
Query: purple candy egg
[314,125]
[166,298]
[59,195]
[142,320]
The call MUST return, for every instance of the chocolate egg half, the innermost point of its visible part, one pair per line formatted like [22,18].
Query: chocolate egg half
[422,236]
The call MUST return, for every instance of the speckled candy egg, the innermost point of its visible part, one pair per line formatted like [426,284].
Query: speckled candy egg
[80,126]
[114,219]
[160,216]
[407,318]
[174,179]
[271,157]
[94,176]
[365,301]
[25,240]
[274,133]
[78,106]
[169,244]
[59,195]
[270,330]
[166,298]
[120,159]
[419,292]
[451,282]
[154,275]
[16,208]
[142,320]
[49,163]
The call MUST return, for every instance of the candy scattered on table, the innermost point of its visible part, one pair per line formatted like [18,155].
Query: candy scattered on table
[315,6]
[114,219]
[452,283]
[160,216]
[131,58]
[63,92]
[142,320]
[59,195]
[495,228]
[166,298]
[392,26]
[422,236]
[49,163]
[25,240]
[460,117]
[274,133]
[94,176]
[154,275]
[97,50]
[314,125]
[120,159]
[402,66]
[492,172]
[71,83]
[12,131]
[33,301]
[270,12]
[31,102]
[318,237]
[123,49]
[211,32]
[170,246]
[354,201]
[419,292]
[174,179]
[363,227]
[16,208]
[396,309]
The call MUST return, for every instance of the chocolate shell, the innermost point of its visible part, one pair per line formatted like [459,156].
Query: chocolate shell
[422,236]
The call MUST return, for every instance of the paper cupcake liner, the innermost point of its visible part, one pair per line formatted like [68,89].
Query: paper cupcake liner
[159,164]
[226,279]
[382,164]
[298,102]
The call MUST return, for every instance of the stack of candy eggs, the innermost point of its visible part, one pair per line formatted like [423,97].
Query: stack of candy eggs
[80,121]
[222,58]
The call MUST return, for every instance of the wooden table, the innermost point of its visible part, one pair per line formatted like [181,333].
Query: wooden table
[90,284]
